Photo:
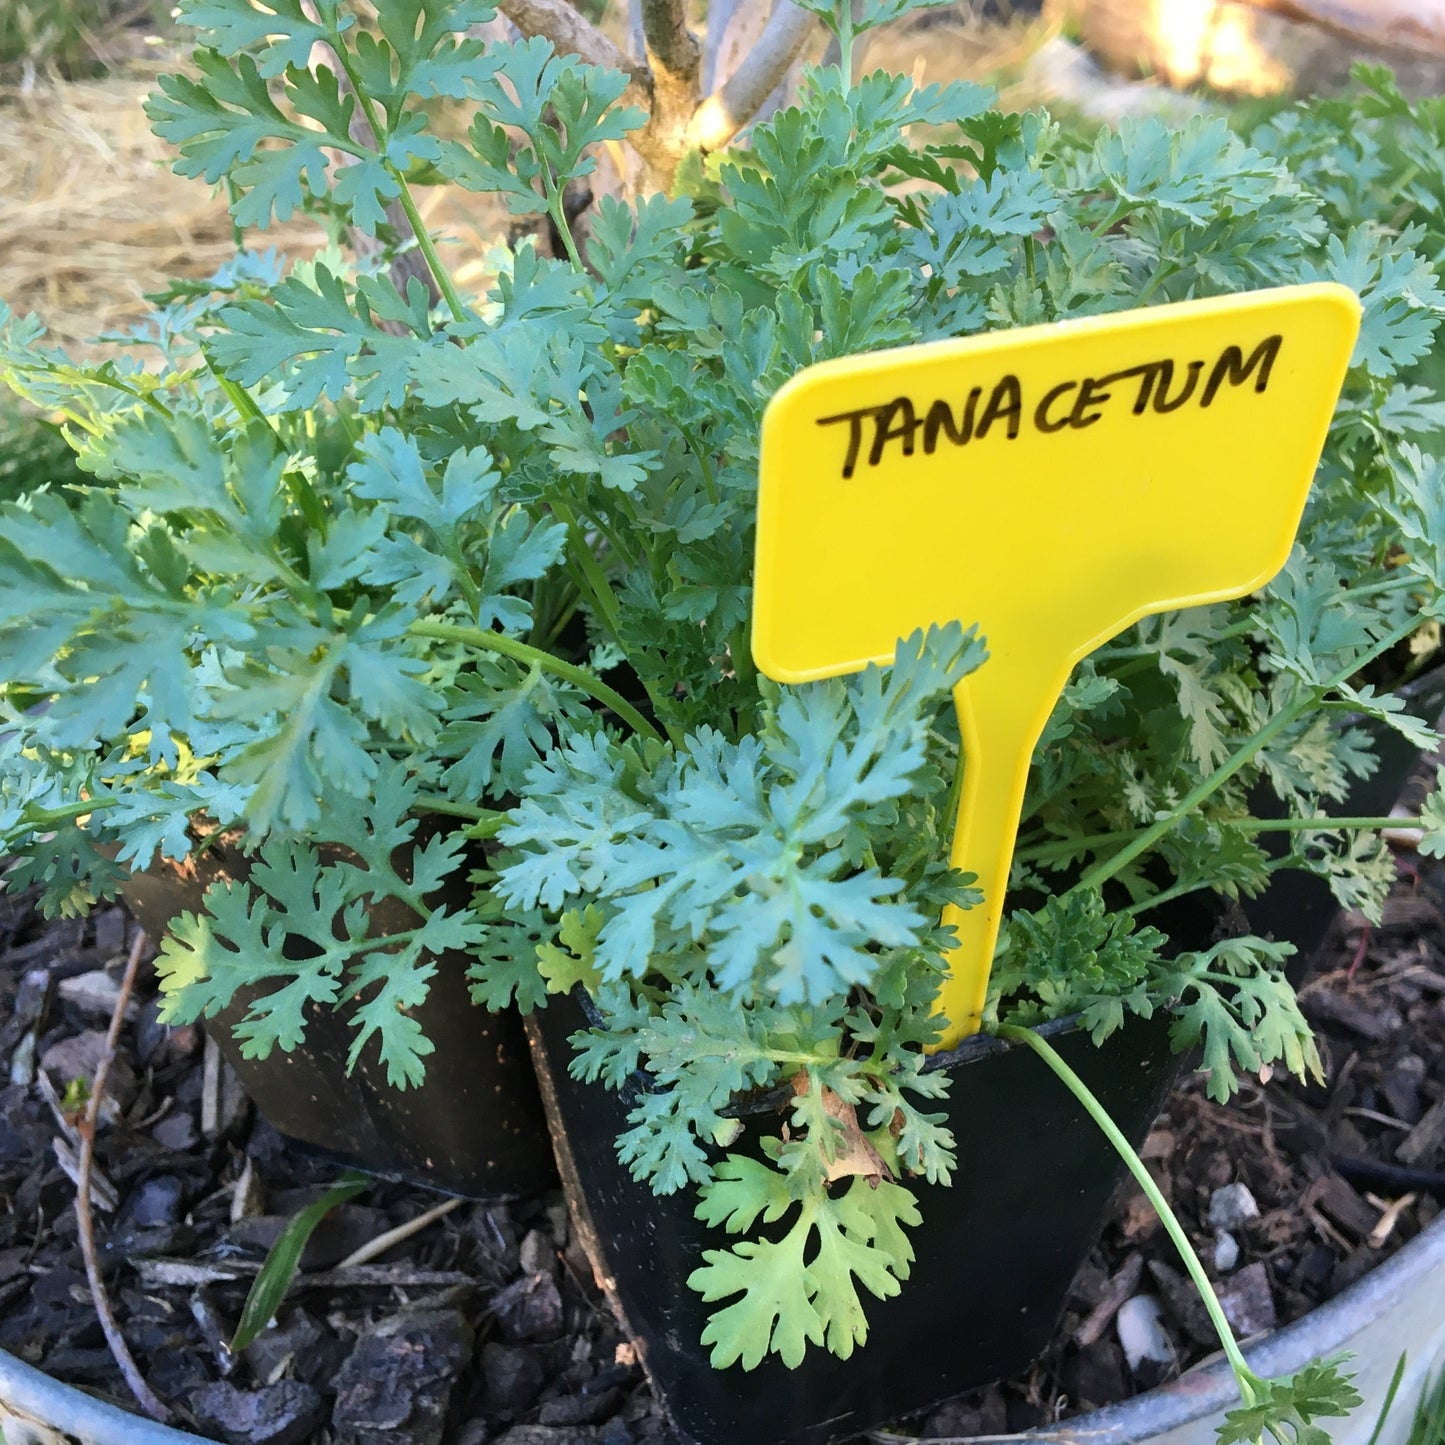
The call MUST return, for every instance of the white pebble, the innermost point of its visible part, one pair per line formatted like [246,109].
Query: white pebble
[1226,1251]
[1141,1332]
[95,993]
[1232,1206]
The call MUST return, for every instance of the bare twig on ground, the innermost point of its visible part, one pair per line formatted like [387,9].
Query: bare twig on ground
[1119,1288]
[1389,1217]
[383,1242]
[159,1272]
[144,1395]
[103,1194]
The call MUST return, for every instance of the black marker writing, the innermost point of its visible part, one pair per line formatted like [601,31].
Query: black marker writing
[1162,386]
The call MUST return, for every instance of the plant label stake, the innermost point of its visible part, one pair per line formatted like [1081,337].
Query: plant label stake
[1053,484]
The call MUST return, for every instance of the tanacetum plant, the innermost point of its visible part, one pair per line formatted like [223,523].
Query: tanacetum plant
[352,558]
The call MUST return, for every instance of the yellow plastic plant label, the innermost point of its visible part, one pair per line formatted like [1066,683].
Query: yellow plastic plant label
[1053,484]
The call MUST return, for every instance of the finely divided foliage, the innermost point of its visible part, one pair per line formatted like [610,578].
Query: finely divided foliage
[350,559]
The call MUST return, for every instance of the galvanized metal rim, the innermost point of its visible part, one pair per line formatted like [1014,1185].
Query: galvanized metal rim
[1208,1389]
[1201,1392]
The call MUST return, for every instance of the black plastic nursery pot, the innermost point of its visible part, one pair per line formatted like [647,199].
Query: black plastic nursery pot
[475,1126]
[996,1251]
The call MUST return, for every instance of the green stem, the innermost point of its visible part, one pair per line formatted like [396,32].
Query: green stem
[708,481]
[1399,583]
[1064,847]
[1179,890]
[558,212]
[1165,271]
[1324,824]
[428,249]
[487,827]
[245,404]
[1119,210]
[437,803]
[741,654]
[424,242]
[80,379]
[579,677]
[597,587]
[34,819]
[1102,872]
[1244,1376]
[821,1061]
[845,42]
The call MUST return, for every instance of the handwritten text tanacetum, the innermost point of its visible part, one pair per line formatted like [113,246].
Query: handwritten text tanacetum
[1162,386]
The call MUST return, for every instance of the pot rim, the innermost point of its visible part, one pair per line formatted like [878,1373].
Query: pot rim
[32,1395]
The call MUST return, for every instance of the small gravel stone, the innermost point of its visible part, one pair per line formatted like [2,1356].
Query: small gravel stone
[177,1131]
[1226,1252]
[22,1061]
[529,1309]
[94,993]
[181,1373]
[1096,1376]
[160,1044]
[1248,1302]
[580,1409]
[108,925]
[31,998]
[538,1254]
[559,1222]
[396,1385]
[608,1375]
[984,1415]
[285,1413]
[1232,1206]
[1182,1306]
[284,1341]
[1315,1267]
[1141,1334]
[492,1228]
[548,1435]
[1401,1086]
[513,1377]
[155,1202]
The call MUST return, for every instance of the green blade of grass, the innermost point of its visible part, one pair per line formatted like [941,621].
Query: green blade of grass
[1429,1424]
[1389,1399]
[270,1285]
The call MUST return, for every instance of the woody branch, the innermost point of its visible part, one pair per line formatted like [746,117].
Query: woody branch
[667,81]
[1410,25]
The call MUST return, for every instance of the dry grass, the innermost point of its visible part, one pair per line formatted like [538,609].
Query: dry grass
[93,218]
[958,43]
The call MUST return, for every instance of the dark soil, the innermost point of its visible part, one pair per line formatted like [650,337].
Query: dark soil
[485,1326]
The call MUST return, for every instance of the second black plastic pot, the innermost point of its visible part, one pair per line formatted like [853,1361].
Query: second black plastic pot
[475,1125]
[995,1253]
